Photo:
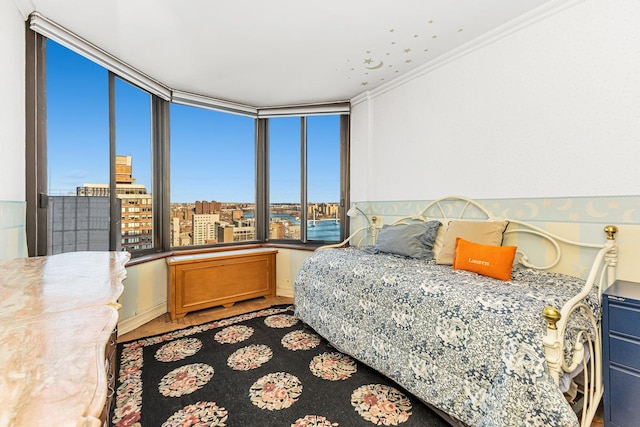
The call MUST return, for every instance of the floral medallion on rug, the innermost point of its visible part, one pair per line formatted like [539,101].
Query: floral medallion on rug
[263,368]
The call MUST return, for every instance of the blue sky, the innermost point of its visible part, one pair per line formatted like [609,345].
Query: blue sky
[212,154]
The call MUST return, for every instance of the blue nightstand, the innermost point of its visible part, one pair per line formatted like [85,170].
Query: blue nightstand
[621,356]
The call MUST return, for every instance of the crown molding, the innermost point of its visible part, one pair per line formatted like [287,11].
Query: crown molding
[364,96]
[523,21]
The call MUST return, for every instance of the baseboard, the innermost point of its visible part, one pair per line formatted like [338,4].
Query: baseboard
[128,325]
[284,292]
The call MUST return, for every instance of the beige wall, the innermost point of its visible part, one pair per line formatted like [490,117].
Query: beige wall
[145,295]
[288,263]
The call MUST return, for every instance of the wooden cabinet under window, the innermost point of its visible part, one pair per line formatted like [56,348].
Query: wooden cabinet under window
[222,278]
[57,320]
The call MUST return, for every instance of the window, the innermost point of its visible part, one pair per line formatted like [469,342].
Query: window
[120,167]
[77,152]
[323,178]
[285,215]
[79,211]
[133,164]
[213,179]
[304,157]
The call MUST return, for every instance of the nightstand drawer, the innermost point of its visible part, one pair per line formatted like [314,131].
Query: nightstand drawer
[624,319]
[626,397]
[625,352]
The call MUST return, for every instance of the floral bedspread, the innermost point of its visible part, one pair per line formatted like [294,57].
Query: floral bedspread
[468,344]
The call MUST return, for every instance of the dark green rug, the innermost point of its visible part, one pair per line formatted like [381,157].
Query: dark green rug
[263,368]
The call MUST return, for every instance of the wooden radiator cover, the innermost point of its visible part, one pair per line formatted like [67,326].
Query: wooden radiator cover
[207,280]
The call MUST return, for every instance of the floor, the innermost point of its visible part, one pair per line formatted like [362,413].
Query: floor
[163,324]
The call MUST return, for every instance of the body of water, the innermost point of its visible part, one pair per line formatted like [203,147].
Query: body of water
[324,229]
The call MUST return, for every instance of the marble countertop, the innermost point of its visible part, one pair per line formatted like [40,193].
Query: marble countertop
[56,316]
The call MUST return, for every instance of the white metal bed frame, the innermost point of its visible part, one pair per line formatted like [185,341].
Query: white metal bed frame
[602,274]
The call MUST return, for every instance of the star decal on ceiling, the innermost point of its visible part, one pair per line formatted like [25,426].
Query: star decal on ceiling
[405,50]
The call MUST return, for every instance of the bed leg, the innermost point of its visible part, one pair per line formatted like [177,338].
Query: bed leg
[552,345]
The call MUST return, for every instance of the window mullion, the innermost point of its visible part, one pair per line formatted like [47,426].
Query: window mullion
[262,178]
[36,191]
[160,173]
[303,179]
[345,188]
[115,212]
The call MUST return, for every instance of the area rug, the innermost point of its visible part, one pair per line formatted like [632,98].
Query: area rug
[263,368]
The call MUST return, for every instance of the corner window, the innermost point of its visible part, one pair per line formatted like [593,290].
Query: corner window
[117,166]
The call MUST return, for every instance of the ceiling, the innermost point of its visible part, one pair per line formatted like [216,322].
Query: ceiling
[278,52]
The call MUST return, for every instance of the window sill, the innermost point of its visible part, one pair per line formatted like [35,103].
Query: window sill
[161,255]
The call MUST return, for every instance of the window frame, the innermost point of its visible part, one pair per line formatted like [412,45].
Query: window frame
[304,181]
[258,239]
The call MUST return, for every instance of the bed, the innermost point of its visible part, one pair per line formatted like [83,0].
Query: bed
[520,350]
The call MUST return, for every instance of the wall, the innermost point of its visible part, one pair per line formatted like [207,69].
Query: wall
[145,295]
[13,236]
[12,117]
[550,109]
[544,115]
[12,133]
[288,263]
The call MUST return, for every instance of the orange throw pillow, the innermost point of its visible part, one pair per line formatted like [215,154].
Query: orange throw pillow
[491,261]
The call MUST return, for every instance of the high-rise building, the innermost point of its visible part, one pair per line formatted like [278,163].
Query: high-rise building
[204,228]
[175,231]
[225,233]
[205,207]
[244,230]
[276,230]
[136,225]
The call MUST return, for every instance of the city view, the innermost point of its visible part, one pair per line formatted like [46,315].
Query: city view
[203,222]
[192,224]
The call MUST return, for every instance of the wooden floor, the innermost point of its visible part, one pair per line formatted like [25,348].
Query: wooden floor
[163,324]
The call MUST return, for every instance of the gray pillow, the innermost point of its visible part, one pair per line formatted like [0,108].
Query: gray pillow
[412,240]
